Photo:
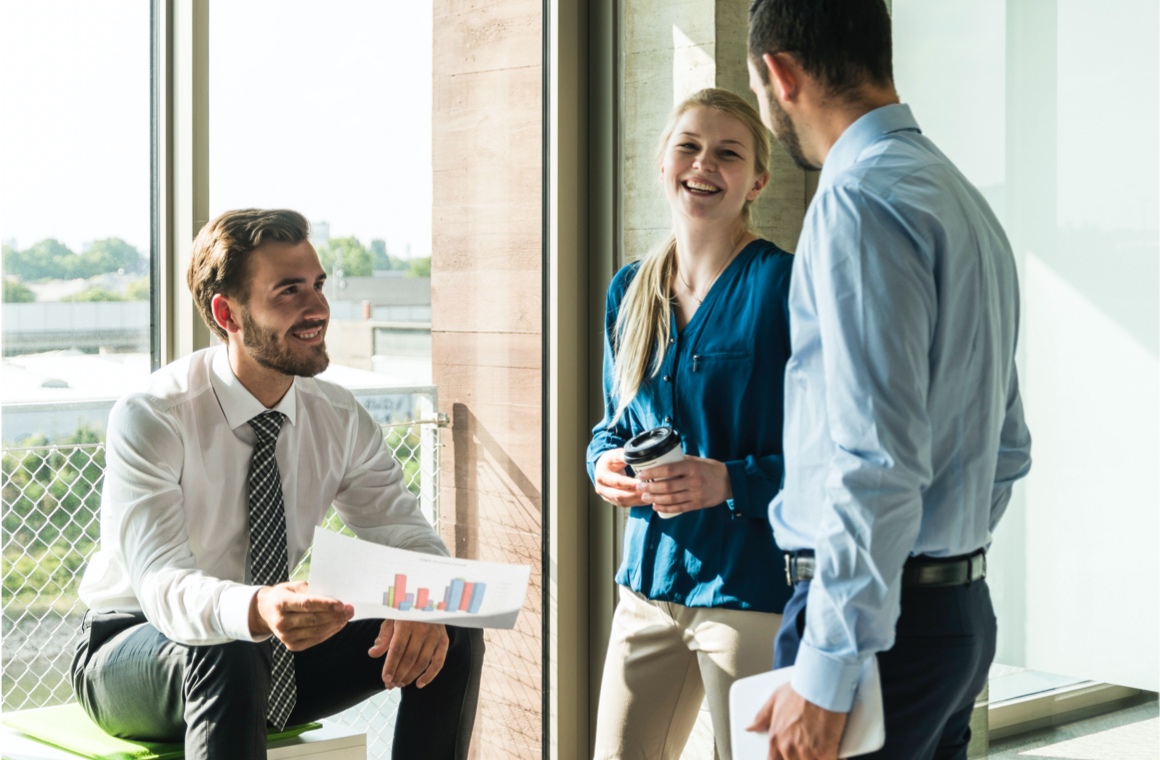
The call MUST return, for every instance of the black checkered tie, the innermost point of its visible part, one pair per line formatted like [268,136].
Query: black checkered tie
[268,563]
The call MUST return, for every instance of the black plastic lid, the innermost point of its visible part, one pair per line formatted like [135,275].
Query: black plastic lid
[651,444]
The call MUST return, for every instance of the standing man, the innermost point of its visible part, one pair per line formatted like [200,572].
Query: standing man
[216,477]
[904,427]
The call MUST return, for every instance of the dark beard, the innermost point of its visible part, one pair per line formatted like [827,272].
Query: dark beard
[269,351]
[786,134]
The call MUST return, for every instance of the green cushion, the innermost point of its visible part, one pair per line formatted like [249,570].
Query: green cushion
[69,728]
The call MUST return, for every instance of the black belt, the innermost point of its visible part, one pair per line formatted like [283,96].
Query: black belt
[918,571]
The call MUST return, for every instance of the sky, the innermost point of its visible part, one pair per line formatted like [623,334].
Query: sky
[328,113]
[326,108]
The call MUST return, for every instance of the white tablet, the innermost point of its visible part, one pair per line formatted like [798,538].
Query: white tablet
[865,729]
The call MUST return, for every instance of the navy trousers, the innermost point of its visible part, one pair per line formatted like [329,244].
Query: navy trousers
[943,648]
[137,684]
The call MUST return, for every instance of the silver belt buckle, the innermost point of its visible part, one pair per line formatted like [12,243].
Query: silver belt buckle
[977,568]
[789,569]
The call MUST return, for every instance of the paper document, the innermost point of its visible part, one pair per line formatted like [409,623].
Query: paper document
[865,728]
[382,582]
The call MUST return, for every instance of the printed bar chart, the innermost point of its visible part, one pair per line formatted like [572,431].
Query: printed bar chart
[476,598]
[395,584]
[460,595]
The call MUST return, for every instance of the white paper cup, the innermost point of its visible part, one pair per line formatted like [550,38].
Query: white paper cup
[661,445]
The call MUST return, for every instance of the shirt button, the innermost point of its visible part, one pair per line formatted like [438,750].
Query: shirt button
[668,420]
[666,378]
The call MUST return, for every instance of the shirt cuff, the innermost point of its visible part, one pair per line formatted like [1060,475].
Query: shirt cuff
[739,483]
[824,680]
[234,604]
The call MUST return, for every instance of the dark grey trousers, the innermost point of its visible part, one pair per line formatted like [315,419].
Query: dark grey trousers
[137,684]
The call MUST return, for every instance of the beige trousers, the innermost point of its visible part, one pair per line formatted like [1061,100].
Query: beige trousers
[663,658]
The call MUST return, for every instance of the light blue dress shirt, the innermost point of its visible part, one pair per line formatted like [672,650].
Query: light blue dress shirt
[904,427]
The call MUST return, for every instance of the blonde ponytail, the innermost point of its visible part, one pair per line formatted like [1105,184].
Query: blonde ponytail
[642,324]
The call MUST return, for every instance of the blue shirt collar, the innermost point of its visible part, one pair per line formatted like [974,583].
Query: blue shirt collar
[863,133]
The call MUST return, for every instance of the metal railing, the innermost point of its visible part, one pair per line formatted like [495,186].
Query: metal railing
[51,525]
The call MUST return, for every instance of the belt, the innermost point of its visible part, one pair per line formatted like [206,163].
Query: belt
[918,571]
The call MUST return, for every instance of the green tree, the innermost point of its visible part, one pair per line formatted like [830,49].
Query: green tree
[356,259]
[113,255]
[95,293]
[16,263]
[139,290]
[8,256]
[380,258]
[16,291]
[52,259]
[46,260]
[420,267]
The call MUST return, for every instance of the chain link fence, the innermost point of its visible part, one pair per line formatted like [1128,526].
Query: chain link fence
[50,527]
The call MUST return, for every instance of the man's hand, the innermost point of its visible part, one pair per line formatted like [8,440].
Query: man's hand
[612,484]
[798,729]
[414,650]
[695,483]
[298,619]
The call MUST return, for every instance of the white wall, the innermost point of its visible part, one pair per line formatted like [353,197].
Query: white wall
[1053,110]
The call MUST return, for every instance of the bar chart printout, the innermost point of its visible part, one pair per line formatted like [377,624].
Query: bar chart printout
[384,582]
[461,595]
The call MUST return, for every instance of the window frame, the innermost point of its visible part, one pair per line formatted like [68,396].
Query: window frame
[180,167]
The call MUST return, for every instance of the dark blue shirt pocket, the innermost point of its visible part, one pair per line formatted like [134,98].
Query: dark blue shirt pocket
[723,361]
[715,394]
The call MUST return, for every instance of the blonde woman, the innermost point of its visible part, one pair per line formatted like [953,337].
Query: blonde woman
[696,339]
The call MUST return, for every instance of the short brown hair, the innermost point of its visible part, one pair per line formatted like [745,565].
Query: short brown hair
[221,249]
[842,43]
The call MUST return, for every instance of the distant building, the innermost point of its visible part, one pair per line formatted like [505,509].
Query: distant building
[56,392]
[86,326]
[388,299]
[382,324]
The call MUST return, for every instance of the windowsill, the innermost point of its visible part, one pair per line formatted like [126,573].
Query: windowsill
[1060,705]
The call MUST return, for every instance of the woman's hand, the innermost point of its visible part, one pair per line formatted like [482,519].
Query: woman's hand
[695,483]
[612,484]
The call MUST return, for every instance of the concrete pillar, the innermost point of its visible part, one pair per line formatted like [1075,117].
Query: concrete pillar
[672,49]
[486,285]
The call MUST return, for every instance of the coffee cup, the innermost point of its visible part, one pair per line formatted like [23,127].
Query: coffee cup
[661,445]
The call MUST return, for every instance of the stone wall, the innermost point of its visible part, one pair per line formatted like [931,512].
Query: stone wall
[486,328]
[671,50]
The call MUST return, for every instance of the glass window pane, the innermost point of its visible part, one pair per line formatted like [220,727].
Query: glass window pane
[75,216]
[74,210]
[328,111]
[1067,155]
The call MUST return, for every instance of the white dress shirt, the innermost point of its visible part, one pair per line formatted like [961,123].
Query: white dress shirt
[175,512]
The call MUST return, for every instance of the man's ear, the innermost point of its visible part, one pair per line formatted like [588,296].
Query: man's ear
[785,75]
[224,314]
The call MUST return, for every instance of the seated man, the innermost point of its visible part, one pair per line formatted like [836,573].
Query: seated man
[217,475]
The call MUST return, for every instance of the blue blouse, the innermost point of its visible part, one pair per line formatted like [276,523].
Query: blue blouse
[720,387]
